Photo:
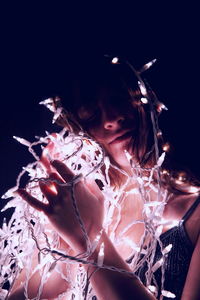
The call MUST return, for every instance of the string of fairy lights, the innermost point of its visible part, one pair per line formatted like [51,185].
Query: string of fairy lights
[27,233]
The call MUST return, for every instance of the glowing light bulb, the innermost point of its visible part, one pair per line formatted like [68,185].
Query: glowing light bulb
[161,106]
[128,156]
[182,176]
[148,65]
[166,147]
[152,288]
[144,100]
[157,265]
[22,141]
[168,294]
[159,133]
[193,189]
[165,172]
[46,101]
[167,249]
[161,159]
[142,88]
[115,60]
[53,188]
[101,255]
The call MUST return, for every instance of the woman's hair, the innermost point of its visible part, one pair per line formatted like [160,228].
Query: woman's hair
[84,89]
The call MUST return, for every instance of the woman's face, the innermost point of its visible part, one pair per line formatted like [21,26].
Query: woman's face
[112,121]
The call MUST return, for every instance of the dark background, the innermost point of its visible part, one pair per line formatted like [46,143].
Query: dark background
[42,44]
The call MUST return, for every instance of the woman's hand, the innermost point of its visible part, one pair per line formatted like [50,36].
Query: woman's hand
[60,209]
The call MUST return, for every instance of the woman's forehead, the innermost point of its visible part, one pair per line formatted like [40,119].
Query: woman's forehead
[106,94]
[109,87]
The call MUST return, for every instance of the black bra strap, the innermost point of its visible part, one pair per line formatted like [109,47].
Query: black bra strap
[191,209]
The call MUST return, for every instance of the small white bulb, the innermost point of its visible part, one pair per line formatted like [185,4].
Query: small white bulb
[159,133]
[166,147]
[142,88]
[168,294]
[152,288]
[115,60]
[144,100]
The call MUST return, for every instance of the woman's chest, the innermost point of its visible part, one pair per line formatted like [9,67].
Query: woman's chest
[130,223]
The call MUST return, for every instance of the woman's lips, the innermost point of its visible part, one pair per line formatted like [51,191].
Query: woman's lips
[122,137]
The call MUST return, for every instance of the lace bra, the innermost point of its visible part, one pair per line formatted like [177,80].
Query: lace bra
[177,262]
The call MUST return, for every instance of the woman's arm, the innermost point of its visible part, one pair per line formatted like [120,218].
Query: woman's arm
[192,285]
[55,284]
[107,284]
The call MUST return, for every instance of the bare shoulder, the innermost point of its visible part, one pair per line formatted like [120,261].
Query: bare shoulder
[176,209]
[192,223]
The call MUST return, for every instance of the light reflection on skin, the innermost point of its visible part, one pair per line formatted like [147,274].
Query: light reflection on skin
[110,130]
[113,125]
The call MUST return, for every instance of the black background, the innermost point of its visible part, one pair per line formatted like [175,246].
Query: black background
[41,43]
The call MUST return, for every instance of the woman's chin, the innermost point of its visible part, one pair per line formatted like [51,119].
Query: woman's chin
[120,147]
[117,152]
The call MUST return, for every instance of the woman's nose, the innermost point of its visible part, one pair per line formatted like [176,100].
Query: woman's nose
[113,123]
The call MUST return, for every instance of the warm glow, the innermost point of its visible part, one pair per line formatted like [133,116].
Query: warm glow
[182,176]
[160,107]
[167,249]
[165,172]
[144,100]
[83,155]
[168,294]
[157,265]
[101,255]
[159,133]
[142,88]
[115,60]
[22,141]
[166,147]
[147,66]
[152,288]
[193,189]
[128,155]
[53,188]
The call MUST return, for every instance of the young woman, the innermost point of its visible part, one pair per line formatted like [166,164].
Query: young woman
[133,230]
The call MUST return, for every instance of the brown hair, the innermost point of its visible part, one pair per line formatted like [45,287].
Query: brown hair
[84,89]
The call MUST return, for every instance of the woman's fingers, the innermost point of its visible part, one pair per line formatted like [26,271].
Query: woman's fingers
[47,152]
[45,157]
[94,189]
[63,170]
[56,177]
[49,190]
[68,175]
[32,200]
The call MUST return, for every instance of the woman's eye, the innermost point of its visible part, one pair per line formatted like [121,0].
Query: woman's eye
[92,117]
[88,115]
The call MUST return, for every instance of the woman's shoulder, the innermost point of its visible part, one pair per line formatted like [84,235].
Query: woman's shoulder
[187,209]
